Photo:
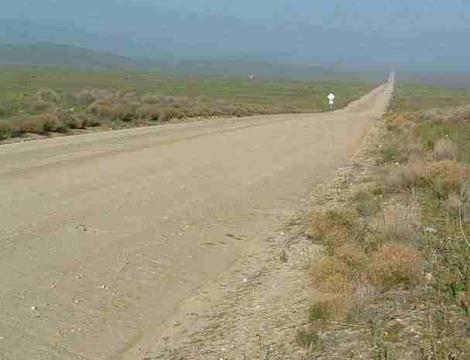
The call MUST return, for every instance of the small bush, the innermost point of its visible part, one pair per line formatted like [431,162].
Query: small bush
[50,122]
[331,275]
[453,204]
[368,201]
[150,112]
[81,120]
[124,112]
[334,307]
[30,124]
[308,339]
[398,223]
[353,256]
[6,129]
[363,295]
[39,106]
[444,149]
[102,109]
[445,177]
[401,120]
[72,123]
[401,149]
[332,227]
[405,176]
[47,96]
[395,265]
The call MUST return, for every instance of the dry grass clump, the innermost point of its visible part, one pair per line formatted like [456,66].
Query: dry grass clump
[353,256]
[403,145]
[400,150]
[398,222]
[400,120]
[405,176]
[39,124]
[395,265]
[332,227]
[453,204]
[446,176]
[29,125]
[444,149]
[443,177]
[329,307]
[331,275]
[367,200]
[102,108]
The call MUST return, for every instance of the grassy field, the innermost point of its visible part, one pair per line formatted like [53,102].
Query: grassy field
[419,97]
[46,100]
[395,271]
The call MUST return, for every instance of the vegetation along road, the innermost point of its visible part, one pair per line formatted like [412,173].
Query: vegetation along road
[109,237]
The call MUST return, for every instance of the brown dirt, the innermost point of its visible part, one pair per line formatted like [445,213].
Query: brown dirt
[166,242]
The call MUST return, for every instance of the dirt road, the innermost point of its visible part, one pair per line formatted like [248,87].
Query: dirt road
[107,239]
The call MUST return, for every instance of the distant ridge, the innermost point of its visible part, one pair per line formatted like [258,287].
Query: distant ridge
[45,54]
[48,54]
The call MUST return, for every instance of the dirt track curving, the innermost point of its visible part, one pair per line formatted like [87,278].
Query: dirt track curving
[160,242]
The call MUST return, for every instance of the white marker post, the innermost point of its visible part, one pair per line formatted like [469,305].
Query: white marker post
[331,101]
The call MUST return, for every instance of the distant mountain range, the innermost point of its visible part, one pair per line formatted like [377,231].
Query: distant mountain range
[229,46]
[66,56]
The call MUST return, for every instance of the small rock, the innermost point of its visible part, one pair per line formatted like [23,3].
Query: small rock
[430,230]
[34,308]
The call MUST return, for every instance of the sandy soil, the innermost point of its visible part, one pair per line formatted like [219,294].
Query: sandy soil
[165,242]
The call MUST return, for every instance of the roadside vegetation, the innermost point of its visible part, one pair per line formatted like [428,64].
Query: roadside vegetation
[48,101]
[394,273]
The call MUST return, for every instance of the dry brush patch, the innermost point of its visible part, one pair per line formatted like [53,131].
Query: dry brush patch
[395,275]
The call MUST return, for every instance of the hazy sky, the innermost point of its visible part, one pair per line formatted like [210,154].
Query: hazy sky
[389,15]
[413,33]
